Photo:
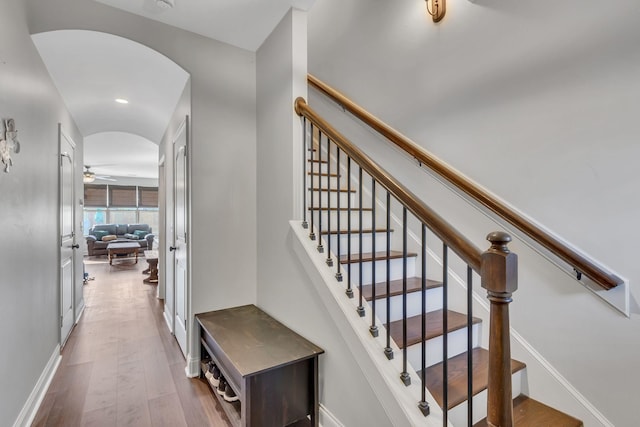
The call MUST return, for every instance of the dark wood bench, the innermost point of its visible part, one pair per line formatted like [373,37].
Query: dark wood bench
[272,369]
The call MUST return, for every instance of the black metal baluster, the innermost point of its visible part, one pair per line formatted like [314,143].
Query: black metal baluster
[320,247]
[469,346]
[329,260]
[423,404]
[360,308]
[305,147]
[404,376]
[339,235]
[349,290]
[388,351]
[373,329]
[312,235]
[445,335]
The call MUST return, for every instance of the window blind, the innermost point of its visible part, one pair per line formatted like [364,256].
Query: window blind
[122,196]
[148,197]
[95,195]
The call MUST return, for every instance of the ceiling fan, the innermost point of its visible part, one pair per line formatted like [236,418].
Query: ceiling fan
[88,176]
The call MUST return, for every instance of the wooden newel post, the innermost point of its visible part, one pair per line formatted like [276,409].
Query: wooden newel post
[499,271]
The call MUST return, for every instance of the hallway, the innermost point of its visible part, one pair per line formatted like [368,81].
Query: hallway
[121,366]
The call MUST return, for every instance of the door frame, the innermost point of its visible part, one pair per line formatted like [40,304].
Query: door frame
[183,129]
[62,134]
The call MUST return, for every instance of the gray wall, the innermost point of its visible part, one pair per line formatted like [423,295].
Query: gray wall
[223,155]
[539,106]
[29,214]
[284,289]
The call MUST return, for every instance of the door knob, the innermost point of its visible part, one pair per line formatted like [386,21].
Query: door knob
[76,246]
[172,248]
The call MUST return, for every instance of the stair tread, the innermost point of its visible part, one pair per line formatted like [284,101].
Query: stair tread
[324,208]
[434,326]
[369,256]
[335,175]
[414,284]
[528,412]
[317,161]
[343,190]
[355,231]
[457,376]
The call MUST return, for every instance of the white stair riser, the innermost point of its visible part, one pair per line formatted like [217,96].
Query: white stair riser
[320,167]
[414,304]
[458,414]
[381,270]
[321,182]
[355,220]
[332,196]
[367,242]
[457,343]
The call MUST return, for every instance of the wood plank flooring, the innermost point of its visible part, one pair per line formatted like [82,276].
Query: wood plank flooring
[121,366]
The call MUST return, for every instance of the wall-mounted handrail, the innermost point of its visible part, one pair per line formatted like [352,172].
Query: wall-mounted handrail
[580,263]
[469,253]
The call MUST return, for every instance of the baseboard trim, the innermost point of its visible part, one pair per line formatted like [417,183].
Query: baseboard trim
[544,363]
[327,419]
[31,406]
[80,312]
[167,320]
[192,369]
[579,397]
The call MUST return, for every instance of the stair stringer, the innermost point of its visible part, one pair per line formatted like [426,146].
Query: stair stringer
[400,402]
[551,387]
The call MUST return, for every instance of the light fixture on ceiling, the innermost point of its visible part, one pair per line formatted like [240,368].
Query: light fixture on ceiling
[122,101]
[165,4]
[437,10]
[88,176]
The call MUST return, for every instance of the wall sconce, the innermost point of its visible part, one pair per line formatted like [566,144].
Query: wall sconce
[9,142]
[437,9]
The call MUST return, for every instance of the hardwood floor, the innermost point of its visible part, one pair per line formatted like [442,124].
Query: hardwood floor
[121,366]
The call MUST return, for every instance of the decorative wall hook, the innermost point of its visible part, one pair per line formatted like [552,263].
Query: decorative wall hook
[8,143]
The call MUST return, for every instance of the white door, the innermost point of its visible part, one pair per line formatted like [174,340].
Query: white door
[67,236]
[180,234]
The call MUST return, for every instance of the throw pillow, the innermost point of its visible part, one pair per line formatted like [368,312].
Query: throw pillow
[131,236]
[100,234]
[140,233]
[109,238]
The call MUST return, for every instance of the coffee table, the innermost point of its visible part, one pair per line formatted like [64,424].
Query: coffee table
[122,248]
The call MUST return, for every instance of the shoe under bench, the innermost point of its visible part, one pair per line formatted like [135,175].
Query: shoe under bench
[272,369]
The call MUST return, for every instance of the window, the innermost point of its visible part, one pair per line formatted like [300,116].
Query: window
[148,197]
[95,195]
[119,204]
[123,196]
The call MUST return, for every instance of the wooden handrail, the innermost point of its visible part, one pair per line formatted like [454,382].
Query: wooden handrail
[581,264]
[445,232]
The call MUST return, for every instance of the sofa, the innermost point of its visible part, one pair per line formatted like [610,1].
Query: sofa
[114,233]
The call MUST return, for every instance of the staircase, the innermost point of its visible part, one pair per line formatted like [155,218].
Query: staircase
[366,245]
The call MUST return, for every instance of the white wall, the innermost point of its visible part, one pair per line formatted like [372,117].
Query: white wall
[29,309]
[284,289]
[540,106]
[223,155]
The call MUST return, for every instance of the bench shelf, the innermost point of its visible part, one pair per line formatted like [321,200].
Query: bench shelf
[273,370]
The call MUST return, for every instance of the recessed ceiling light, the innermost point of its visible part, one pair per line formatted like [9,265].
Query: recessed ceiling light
[122,101]
[164,4]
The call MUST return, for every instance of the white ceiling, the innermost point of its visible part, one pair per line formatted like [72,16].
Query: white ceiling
[242,23]
[92,69]
[120,154]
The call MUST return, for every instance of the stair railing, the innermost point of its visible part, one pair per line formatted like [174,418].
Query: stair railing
[497,266]
[581,265]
